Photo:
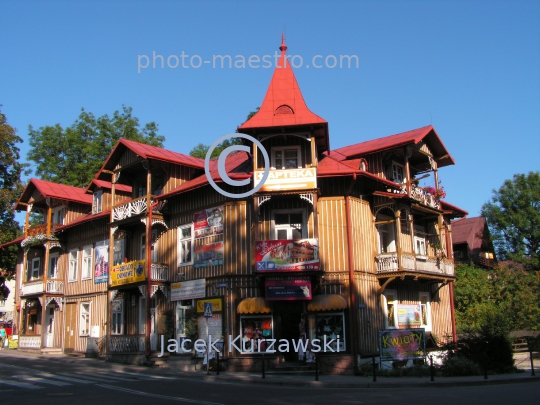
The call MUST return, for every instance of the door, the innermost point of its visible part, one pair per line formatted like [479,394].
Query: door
[153,329]
[49,327]
[69,337]
[291,315]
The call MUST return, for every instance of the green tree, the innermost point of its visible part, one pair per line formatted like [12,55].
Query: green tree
[513,217]
[10,189]
[73,155]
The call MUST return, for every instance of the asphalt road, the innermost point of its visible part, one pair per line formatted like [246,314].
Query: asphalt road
[64,380]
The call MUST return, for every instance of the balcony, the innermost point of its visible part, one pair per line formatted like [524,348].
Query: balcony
[41,229]
[130,209]
[159,272]
[422,196]
[54,287]
[388,264]
[32,287]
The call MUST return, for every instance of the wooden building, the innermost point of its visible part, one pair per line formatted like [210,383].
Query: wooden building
[333,245]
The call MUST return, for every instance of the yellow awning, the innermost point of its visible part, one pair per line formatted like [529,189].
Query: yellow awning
[327,302]
[255,305]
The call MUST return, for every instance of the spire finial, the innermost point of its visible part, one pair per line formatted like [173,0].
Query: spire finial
[283,47]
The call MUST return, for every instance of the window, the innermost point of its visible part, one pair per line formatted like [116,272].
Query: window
[390,307]
[117,327]
[84,324]
[73,263]
[419,240]
[87,263]
[2,303]
[331,325]
[119,251]
[185,245]
[289,224]
[256,328]
[36,266]
[53,266]
[58,215]
[387,236]
[153,253]
[97,200]
[425,307]
[397,173]
[142,315]
[286,158]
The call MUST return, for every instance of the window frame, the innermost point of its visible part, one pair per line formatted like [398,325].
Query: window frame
[282,149]
[395,165]
[256,318]
[87,318]
[117,317]
[389,229]
[84,260]
[73,264]
[38,269]
[55,213]
[53,256]
[181,239]
[119,255]
[275,228]
[420,238]
[425,294]
[386,303]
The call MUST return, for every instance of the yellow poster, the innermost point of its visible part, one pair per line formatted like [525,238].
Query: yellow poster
[216,304]
[127,273]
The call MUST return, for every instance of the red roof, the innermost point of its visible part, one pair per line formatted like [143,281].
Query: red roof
[283,104]
[414,137]
[453,209]
[469,230]
[53,190]
[13,242]
[107,185]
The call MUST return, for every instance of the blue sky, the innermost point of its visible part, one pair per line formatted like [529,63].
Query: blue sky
[470,68]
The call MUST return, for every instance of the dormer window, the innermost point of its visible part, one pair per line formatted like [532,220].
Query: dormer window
[397,174]
[97,202]
[58,214]
[287,157]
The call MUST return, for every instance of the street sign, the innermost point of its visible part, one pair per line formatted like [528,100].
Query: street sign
[221,285]
[208,310]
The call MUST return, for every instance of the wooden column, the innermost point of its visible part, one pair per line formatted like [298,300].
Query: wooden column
[407,171]
[398,238]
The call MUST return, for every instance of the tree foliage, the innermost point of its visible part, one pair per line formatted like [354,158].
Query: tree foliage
[513,216]
[73,155]
[508,294]
[10,189]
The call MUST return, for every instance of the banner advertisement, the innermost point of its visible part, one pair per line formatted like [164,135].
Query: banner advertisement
[288,289]
[127,273]
[402,344]
[210,254]
[187,290]
[208,222]
[287,179]
[409,316]
[217,304]
[101,260]
[287,255]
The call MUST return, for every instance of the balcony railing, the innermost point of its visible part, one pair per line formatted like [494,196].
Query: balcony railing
[130,209]
[389,262]
[41,229]
[54,286]
[160,272]
[126,344]
[32,287]
[422,196]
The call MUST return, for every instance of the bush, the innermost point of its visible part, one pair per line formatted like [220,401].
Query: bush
[460,366]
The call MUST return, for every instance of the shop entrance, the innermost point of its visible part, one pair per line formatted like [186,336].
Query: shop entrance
[290,313]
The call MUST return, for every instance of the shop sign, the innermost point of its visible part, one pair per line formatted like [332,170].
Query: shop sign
[409,316]
[127,273]
[288,289]
[208,222]
[288,179]
[287,255]
[187,290]
[402,344]
[217,304]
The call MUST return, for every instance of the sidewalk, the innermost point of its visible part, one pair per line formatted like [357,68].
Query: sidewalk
[325,381]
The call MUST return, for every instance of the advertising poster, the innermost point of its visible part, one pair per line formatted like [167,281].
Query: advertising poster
[287,255]
[101,267]
[127,273]
[210,254]
[402,344]
[285,290]
[208,222]
[215,324]
[409,316]
[187,290]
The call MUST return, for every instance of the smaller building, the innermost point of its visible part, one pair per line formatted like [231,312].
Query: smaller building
[7,303]
[472,242]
